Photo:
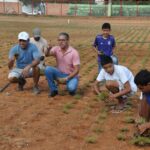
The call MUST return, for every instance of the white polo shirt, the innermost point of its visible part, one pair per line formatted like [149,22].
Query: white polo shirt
[121,74]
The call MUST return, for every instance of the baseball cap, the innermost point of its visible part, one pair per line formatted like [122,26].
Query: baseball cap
[23,36]
[36,32]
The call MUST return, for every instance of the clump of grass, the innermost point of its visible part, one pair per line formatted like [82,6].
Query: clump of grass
[140,120]
[99,121]
[129,103]
[129,113]
[67,107]
[128,108]
[121,137]
[105,110]
[78,96]
[91,139]
[141,141]
[66,111]
[129,120]
[103,96]
[98,130]
[123,130]
[102,115]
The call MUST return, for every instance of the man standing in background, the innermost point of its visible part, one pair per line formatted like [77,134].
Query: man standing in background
[105,44]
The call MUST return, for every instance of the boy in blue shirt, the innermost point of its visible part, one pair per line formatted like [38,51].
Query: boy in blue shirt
[105,44]
[27,58]
[142,80]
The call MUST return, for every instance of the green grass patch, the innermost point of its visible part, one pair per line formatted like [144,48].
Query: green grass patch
[129,120]
[102,115]
[121,137]
[98,130]
[141,120]
[123,130]
[67,107]
[91,139]
[141,141]
[103,96]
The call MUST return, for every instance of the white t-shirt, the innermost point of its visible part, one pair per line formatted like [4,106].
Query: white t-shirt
[41,44]
[121,74]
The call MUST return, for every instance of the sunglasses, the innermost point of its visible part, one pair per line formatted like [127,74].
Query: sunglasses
[22,41]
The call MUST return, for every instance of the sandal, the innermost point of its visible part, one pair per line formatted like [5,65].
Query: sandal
[118,109]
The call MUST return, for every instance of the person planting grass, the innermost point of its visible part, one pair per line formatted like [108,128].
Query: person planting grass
[142,80]
[119,81]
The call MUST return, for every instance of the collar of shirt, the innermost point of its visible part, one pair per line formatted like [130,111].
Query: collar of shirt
[66,52]
[24,49]
[105,38]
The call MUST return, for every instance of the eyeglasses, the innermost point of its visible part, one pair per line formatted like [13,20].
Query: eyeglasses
[61,40]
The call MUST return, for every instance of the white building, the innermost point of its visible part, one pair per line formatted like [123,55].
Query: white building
[99,1]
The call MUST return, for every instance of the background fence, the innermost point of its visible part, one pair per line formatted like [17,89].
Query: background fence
[77,7]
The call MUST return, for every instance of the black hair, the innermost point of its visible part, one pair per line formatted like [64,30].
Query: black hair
[65,34]
[106,26]
[142,78]
[106,60]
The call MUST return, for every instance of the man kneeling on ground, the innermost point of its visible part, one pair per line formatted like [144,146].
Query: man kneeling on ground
[27,59]
[68,65]
[119,81]
[142,80]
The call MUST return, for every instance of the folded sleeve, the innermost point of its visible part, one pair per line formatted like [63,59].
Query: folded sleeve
[12,52]
[76,59]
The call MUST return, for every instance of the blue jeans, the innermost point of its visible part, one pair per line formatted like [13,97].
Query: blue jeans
[52,74]
[114,59]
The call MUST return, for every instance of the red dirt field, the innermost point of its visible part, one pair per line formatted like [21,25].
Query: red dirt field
[29,122]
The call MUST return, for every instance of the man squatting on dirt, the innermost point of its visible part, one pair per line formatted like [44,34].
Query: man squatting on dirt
[142,80]
[27,58]
[119,81]
[68,66]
